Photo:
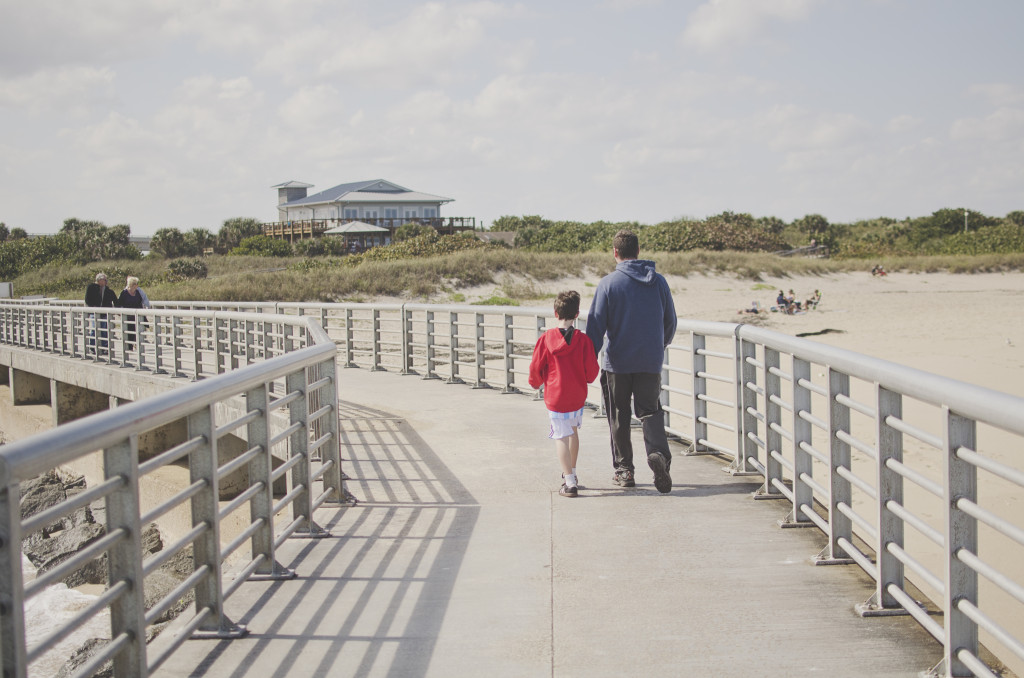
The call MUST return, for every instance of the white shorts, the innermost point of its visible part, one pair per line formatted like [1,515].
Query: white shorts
[562,423]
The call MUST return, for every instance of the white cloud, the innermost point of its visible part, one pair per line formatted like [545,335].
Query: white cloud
[37,35]
[998,93]
[720,23]
[903,123]
[1002,126]
[64,89]
[312,107]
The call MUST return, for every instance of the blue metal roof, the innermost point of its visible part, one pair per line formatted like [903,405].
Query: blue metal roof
[332,194]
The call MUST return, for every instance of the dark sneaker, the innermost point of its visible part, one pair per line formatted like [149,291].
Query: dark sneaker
[579,485]
[567,491]
[658,464]
[624,478]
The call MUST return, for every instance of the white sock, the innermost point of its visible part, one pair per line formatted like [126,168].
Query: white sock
[573,471]
[570,480]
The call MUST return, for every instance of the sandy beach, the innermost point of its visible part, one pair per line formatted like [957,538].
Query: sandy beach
[964,326]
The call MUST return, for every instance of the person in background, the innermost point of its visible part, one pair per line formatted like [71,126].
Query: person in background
[98,295]
[131,297]
[564,362]
[633,310]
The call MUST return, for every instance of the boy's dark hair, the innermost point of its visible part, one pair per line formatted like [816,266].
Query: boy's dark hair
[567,305]
[627,244]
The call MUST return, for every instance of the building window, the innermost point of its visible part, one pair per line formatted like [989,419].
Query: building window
[430,211]
[370,214]
[391,213]
[410,214]
[351,213]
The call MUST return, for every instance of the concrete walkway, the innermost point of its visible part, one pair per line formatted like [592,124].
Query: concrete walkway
[461,559]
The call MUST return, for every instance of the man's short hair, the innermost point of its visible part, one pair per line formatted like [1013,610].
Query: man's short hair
[101,276]
[567,305]
[627,244]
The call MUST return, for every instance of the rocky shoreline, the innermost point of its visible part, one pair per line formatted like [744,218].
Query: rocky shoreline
[62,539]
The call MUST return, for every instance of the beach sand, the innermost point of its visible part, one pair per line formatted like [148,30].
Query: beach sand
[964,326]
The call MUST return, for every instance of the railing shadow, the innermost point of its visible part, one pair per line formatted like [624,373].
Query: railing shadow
[371,599]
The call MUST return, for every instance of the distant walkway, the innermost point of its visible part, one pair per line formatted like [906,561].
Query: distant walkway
[460,559]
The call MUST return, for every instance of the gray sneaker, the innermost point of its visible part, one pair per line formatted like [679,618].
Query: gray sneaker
[658,464]
[624,478]
[567,491]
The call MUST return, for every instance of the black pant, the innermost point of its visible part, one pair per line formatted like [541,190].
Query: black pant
[644,391]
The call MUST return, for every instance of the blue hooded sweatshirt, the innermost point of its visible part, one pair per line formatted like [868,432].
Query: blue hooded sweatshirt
[633,308]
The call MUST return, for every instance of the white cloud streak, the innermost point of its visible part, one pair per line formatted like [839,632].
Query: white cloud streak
[717,24]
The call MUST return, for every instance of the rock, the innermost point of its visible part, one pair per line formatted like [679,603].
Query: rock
[83,654]
[48,553]
[46,491]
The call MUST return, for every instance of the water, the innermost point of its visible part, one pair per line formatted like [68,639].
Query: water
[53,606]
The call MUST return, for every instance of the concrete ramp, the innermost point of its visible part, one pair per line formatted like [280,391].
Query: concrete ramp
[461,559]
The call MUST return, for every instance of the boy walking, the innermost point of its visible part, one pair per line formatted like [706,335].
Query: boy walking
[564,362]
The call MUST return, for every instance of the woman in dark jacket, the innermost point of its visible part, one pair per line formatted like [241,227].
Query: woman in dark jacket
[130,297]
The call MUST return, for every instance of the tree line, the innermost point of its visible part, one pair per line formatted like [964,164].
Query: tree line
[945,231]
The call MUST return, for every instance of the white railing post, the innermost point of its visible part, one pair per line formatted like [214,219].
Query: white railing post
[349,339]
[961,532]
[206,512]
[331,451]
[196,350]
[508,347]
[261,508]
[803,462]
[889,486]
[772,422]
[840,492]
[298,445]
[407,340]
[698,344]
[453,348]
[746,400]
[124,560]
[431,354]
[481,346]
[13,654]
[376,364]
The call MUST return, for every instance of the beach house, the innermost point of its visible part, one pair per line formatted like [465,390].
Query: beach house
[378,202]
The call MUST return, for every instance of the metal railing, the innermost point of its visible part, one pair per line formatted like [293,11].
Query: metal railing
[283,371]
[860,448]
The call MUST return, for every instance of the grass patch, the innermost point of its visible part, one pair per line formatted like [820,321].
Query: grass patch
[516,274]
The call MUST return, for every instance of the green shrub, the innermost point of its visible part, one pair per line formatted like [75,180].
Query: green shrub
[262,246]
[412,229]
[321,247]
[186,269]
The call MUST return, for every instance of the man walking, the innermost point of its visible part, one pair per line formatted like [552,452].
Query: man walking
[98,295]
[633,310]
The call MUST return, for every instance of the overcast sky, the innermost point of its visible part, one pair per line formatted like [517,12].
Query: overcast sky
[183,113]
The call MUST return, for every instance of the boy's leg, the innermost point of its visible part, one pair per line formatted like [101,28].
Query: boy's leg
[564,455]
[574,446]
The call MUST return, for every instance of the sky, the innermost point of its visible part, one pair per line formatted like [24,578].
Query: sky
[184,113]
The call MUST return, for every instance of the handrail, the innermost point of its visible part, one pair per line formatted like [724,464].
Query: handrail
[832,432]
[231,366]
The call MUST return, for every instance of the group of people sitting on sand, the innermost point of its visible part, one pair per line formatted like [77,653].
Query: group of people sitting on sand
[787,303]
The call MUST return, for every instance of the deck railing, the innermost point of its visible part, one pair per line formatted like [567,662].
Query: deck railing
[282,370]
[913,477]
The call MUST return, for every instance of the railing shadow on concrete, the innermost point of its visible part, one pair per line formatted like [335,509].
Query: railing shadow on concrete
[396,554]
[909,475]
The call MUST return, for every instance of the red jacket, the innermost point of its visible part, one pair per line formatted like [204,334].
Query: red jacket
[564,369]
